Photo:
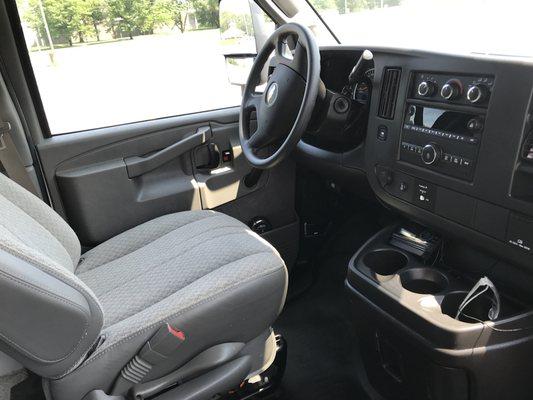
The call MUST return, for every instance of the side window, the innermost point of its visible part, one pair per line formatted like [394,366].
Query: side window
[101,63]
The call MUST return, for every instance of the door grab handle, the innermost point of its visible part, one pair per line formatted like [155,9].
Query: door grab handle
[137,165]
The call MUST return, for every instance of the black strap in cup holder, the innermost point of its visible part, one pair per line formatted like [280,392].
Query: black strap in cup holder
[483,285]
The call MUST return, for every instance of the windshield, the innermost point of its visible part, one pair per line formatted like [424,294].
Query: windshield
[498,27]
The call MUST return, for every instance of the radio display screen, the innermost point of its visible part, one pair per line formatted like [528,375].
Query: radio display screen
[435,118]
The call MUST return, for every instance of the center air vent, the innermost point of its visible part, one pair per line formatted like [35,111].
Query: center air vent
[389,92]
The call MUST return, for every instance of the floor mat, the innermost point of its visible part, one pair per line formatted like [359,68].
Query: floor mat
[318,327]
[29,389]
[7,382]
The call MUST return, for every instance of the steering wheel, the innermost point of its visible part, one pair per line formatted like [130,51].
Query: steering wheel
[285,108]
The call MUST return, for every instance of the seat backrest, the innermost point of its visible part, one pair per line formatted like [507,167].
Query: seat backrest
[49,318]
[35,226]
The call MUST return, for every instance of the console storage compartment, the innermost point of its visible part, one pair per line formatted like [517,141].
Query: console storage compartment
[411,343]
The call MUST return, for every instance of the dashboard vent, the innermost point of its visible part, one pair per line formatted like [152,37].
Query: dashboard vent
[389,92]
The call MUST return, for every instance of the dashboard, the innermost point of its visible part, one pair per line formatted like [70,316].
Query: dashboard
[448,142]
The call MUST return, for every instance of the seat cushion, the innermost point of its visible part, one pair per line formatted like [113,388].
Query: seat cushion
[147,270]
[201,271]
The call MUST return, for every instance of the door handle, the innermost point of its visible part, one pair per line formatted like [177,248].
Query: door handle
[207,157]
[139,165]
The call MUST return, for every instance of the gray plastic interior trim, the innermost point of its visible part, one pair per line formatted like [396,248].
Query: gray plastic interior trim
[8,113]
[138,166]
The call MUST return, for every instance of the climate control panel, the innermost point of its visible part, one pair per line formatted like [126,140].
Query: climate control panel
[456,89]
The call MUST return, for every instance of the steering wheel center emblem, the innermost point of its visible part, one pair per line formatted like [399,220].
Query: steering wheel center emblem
[271,94]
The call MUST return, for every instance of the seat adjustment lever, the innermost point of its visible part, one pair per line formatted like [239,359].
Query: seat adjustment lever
[157,349]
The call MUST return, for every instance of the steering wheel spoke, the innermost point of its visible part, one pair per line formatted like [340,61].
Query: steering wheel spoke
[253,101]
[258,140]
[294,58]
[299,60]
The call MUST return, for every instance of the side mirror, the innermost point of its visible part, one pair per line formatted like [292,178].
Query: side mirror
[244,28]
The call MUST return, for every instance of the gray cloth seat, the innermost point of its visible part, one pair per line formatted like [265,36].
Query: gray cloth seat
[203,272]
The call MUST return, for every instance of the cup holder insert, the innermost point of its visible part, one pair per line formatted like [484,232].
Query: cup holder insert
[477,308]
[385,262]
[423,280]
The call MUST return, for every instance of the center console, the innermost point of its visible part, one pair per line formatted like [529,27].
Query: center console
[413,343]
[449,145]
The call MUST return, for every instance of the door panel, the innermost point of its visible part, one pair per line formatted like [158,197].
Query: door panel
[55,151]
[101,199]
[91,185]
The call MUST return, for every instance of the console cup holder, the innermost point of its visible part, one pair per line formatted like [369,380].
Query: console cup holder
[423,280]
[385,261]
[477,308]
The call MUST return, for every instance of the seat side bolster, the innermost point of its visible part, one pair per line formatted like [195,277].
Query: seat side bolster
[45,323]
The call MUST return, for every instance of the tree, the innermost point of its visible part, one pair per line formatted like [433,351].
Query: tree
[123,14]
[241,21]
[94,15]
[178,12]
[206,12]
[324,4]
[65,18]
[136,16]
[358,5]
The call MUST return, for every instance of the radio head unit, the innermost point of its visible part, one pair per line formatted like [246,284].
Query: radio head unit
[442,140]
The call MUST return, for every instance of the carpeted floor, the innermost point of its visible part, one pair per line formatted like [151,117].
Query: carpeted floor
[323,359]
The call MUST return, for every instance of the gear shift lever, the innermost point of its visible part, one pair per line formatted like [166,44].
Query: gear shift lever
[363,64]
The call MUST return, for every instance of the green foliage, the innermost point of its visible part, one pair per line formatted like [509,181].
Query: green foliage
[136,16]
[206,12]
[349,6]
[71,20]
[242,22]
[177,13]
[324,4]
[65,18]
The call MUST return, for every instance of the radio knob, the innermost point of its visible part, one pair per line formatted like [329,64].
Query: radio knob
[430,154]
[477,93]
[451,89]
[426,89]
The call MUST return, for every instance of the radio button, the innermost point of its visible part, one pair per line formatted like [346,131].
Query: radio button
[465,162]
[474,124]
[430,154]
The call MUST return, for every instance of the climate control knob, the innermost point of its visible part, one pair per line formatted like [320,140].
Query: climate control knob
[426,89]
[451,90]
[477,93]
[431,153]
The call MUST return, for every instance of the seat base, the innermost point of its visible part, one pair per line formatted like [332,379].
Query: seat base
[266,383]
[257,367]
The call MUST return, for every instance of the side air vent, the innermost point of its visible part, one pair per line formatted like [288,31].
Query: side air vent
[389,92]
